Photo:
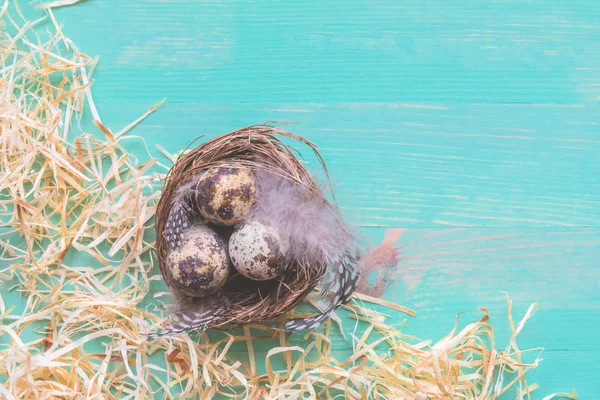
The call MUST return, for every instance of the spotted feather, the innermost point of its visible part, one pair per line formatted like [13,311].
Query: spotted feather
[177,223]
[338,292]
[190,322]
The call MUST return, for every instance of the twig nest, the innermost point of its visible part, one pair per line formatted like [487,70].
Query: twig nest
[200,265]
[231,184]
[226,194]
[257,251]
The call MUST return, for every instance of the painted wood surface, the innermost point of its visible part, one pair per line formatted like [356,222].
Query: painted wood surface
[472,124]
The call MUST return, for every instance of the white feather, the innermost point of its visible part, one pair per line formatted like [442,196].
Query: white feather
[313,230]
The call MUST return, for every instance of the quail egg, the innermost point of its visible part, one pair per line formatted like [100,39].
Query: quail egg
[226,194]
[200,265]
[257,251]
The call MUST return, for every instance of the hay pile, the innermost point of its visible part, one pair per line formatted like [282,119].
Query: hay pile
[76,214]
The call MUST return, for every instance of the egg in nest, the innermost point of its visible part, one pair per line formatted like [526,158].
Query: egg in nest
[257,251]
[200,265]
[225,195]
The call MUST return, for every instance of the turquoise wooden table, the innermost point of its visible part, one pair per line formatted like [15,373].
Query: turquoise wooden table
[475,123]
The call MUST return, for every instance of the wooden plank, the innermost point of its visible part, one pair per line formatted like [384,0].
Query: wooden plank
[460,52]
[427,166]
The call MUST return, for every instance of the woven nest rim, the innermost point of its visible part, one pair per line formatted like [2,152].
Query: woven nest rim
[257,147]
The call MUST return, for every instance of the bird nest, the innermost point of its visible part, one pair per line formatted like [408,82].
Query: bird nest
[290,197]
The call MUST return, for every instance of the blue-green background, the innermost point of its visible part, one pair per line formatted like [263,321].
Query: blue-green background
[431,115]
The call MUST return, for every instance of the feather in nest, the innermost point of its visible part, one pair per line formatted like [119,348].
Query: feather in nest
[316,235]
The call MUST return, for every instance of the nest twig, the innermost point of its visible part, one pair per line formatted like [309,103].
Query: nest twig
[258,147]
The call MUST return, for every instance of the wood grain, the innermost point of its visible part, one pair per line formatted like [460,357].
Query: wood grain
[432,115]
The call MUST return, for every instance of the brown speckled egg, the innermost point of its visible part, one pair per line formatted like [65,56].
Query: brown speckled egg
[257,251]
[225,195]
[200,265]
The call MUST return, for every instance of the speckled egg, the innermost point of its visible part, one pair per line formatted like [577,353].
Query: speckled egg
[257,251]
[225,195]
[200,265]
